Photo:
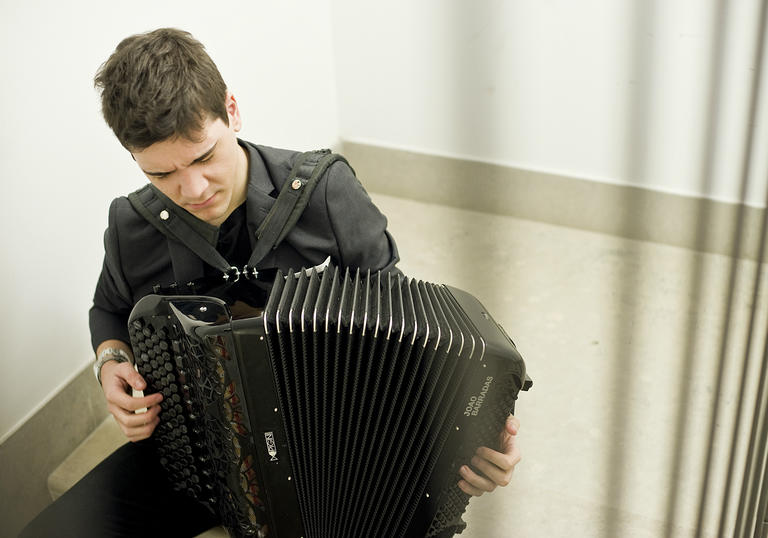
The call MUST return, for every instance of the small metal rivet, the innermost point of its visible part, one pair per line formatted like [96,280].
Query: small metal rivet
[164,214]
[427,495]
[203,309]
[275,409]
[457,428]
[296,185]
[289,478]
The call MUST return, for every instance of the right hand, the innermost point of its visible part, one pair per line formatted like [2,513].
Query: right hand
[117,380]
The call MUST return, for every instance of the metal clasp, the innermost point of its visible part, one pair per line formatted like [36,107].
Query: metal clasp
[250,272]
[233,273]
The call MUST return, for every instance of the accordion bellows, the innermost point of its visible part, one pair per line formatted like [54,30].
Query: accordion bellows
[343,408]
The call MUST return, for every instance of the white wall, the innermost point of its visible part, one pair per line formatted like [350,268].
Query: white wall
[60,165]
[610,90]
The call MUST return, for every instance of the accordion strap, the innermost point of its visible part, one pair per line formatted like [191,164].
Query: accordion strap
[292,200]
[294,196]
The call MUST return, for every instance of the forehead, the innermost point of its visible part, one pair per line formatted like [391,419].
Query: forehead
[180,151]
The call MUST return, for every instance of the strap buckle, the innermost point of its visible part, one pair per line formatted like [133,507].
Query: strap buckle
[231,273]
[250,272]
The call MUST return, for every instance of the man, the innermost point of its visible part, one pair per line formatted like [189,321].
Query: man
[168,106]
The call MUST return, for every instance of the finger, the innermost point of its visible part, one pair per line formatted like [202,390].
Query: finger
[136,427]
[132,377]
[130,421]
[135,420]
[469,489]
[505,460]
[496,475]
[141,432]
[478,482]
[133,403]
[512,425]
[129,403]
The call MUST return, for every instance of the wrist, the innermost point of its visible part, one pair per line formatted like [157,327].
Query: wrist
[109,354]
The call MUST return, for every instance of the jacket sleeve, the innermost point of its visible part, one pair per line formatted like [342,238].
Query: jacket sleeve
[360,229]
[112,302]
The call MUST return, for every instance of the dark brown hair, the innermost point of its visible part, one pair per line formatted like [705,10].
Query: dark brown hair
[160,85]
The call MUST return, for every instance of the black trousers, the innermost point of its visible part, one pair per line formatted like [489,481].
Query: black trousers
[125,495]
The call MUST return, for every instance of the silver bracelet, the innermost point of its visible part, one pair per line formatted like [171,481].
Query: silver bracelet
[109,354]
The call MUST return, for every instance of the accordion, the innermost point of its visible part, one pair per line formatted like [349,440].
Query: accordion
[341,406]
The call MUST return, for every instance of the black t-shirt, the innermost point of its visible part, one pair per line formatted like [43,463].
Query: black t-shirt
[233,242]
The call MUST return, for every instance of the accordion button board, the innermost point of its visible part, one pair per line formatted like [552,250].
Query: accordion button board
[344,409]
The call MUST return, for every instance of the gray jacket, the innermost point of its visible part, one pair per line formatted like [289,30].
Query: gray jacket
[340,221]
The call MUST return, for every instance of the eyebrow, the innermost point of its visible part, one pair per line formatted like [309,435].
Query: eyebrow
[197,160]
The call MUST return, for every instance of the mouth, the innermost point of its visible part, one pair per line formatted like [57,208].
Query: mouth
[201,205]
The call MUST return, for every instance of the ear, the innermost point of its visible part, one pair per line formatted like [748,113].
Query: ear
[235,121]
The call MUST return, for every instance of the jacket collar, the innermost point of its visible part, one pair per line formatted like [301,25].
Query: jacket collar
[261,191]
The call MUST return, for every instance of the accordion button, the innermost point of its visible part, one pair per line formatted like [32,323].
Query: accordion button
[164,214]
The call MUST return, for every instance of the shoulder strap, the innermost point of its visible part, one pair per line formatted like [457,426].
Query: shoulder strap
[292,200]
[290,204]
[154,210]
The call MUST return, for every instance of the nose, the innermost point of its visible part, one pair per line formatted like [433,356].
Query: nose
[192,185]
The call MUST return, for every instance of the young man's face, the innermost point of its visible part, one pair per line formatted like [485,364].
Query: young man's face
[207,178]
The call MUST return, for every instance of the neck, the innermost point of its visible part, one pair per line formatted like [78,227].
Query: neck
[241,192]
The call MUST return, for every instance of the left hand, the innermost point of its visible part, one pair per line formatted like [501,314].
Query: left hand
[495,467]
